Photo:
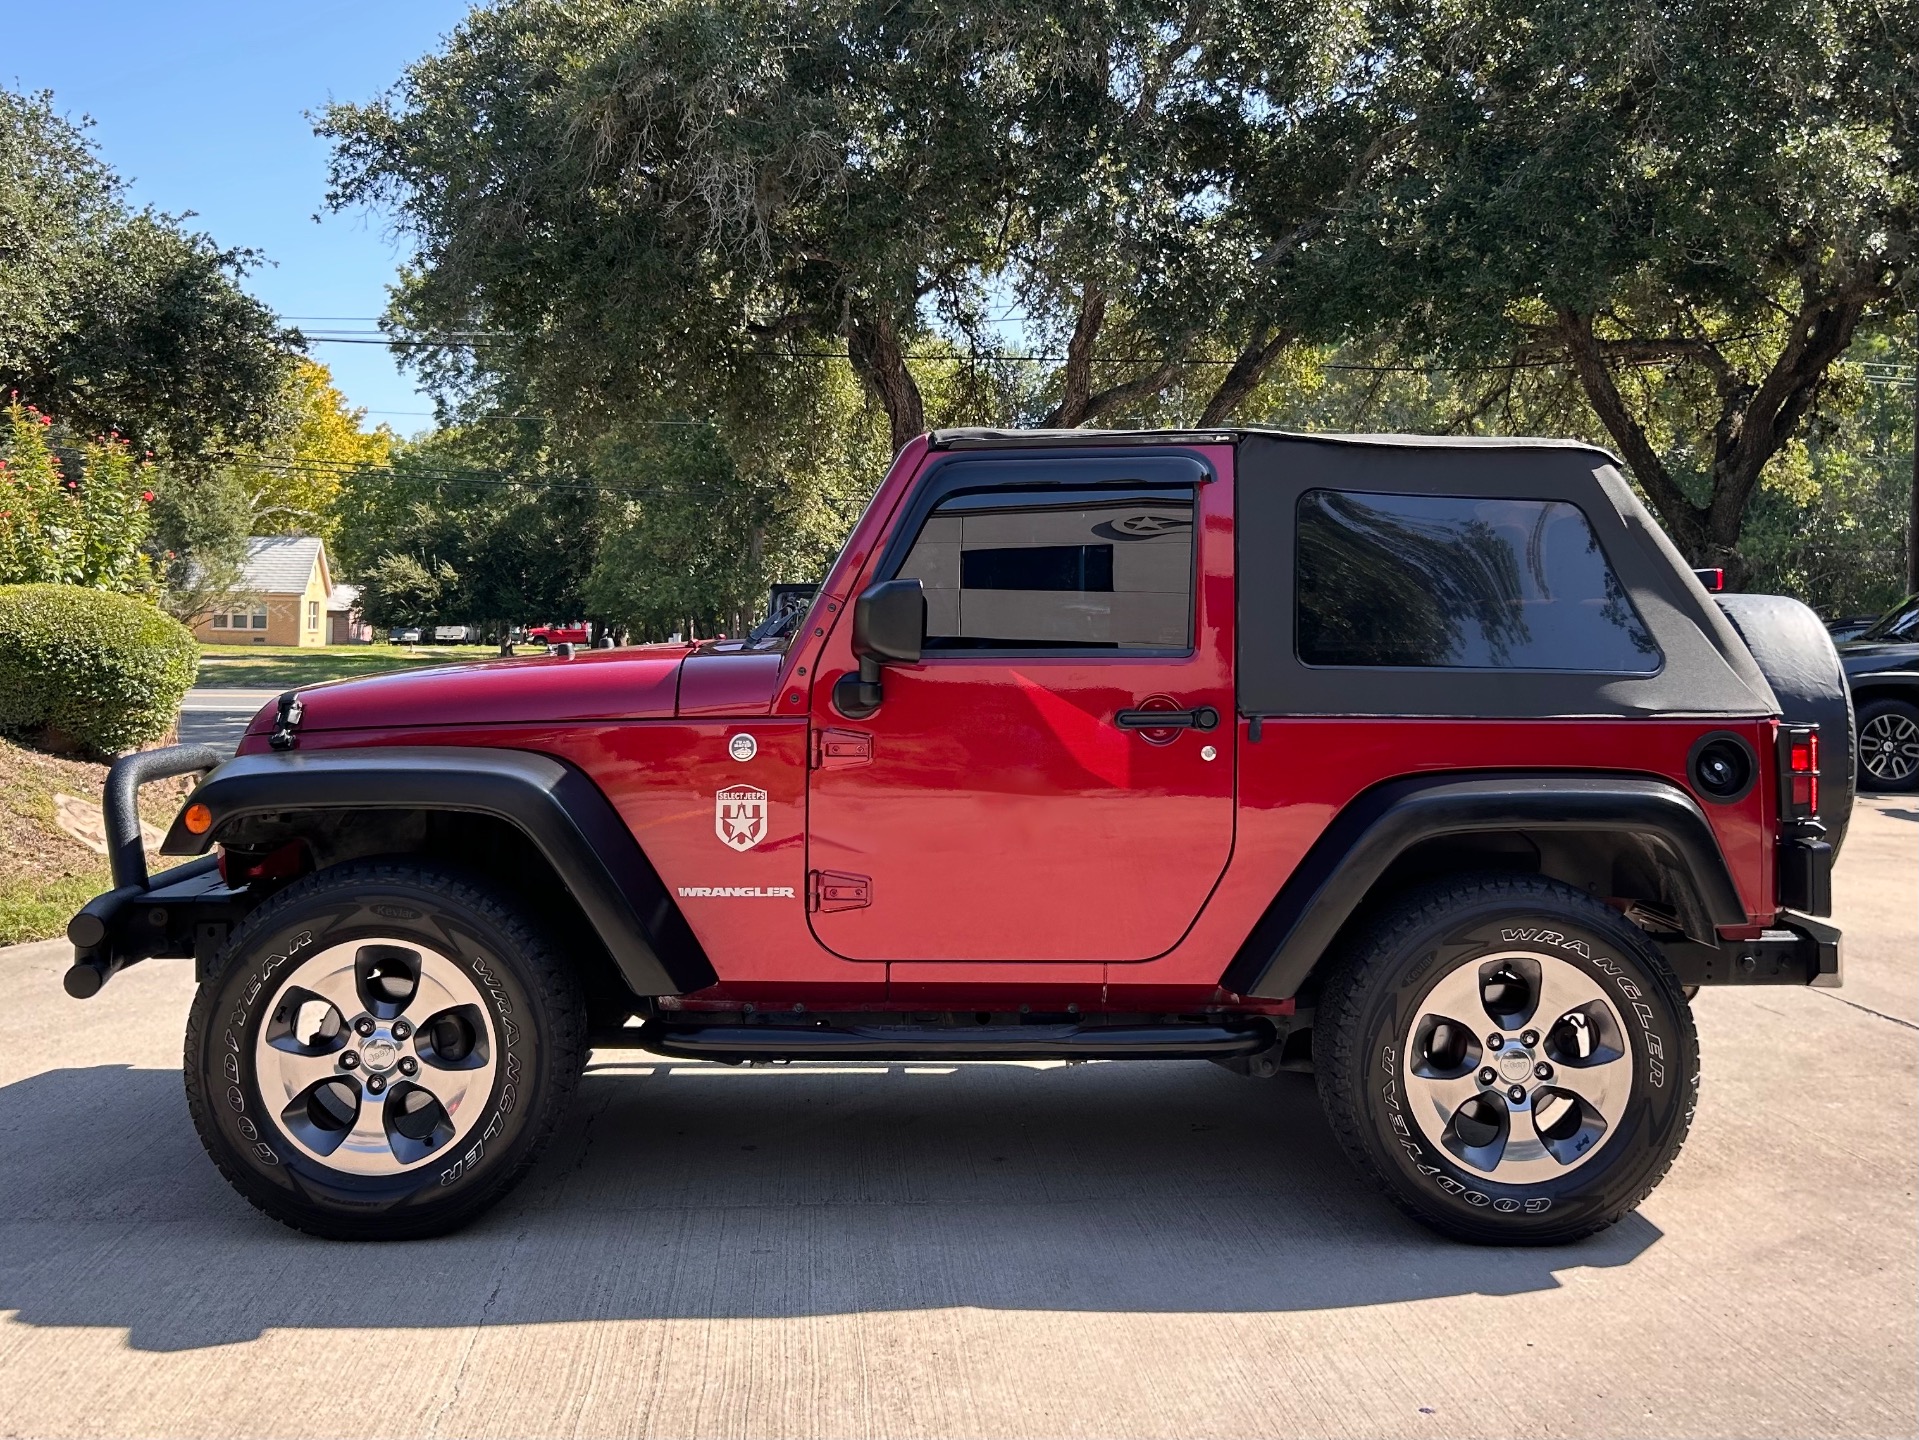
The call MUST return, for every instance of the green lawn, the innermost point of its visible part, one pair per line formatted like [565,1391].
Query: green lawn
[46,874]
[274,667]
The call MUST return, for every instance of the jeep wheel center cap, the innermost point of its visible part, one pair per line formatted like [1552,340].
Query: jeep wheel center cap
[379,1053]
[1515,1065]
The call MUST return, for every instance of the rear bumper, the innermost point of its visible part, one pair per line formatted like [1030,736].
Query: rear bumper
[1798,950]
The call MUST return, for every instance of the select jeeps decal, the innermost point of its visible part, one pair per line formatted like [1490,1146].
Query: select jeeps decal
[737,892]
[739,816]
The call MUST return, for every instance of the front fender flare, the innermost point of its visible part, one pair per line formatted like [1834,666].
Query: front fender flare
[564,814]
[1364,839]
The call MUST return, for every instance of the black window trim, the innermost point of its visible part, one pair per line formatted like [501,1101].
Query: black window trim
[1435,494]
[1106,468]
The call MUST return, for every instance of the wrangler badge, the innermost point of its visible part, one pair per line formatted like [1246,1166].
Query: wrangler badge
[739,816]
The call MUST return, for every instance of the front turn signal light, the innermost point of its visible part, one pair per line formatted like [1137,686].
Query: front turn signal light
[198,819]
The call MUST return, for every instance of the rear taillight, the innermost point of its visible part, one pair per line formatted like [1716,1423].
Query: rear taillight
[1799,772]
[1713,578]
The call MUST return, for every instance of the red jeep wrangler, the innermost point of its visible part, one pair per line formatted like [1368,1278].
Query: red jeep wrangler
[1426,765]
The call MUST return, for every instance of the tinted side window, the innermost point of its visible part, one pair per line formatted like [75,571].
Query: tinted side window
[1446,580]
[1045,569]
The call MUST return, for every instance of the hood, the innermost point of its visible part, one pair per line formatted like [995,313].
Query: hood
[641,682]
[1867,657]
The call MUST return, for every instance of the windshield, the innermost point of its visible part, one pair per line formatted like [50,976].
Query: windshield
[1899,623]
[789,606]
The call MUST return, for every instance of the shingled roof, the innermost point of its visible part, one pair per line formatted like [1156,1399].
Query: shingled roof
[280,564]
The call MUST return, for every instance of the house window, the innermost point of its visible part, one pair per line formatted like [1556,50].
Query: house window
[254,619]
[313,614]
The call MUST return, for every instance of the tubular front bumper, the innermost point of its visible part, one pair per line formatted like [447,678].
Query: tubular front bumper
[186,911]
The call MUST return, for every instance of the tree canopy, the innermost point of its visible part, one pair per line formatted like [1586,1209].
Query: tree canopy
[1688,208]
[117,318]
[1659,224]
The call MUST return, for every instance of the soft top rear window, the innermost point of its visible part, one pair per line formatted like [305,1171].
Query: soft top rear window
[1460,582]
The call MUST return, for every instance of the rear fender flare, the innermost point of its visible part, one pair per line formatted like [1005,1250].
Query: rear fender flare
[560,811]
[1357,848]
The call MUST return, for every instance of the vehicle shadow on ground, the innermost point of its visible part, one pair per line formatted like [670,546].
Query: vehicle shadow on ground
[701,1192]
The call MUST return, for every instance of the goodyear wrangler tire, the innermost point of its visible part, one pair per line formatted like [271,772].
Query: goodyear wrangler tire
[383,1053]
[1511,1060]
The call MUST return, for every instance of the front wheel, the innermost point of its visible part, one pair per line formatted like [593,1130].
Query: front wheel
[384,1052]
[1509,1058]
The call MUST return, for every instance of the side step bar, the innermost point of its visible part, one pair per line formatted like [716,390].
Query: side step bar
[971,1042]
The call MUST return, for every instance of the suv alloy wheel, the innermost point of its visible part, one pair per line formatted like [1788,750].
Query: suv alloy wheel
[383,1053]
[1889,745]
[1509,1058]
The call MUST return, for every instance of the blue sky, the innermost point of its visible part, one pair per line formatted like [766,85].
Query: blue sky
[202,104]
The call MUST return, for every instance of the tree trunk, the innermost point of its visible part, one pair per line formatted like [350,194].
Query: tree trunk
[1248,370]
[1912,523]
[873,347]
[1076,390]
[1684,521]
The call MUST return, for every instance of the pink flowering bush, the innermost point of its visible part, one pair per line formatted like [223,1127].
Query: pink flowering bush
[85,528]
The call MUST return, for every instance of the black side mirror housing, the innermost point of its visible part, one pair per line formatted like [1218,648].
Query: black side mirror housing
[889,628]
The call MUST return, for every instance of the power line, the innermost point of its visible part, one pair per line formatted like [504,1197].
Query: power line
[430,477]
[977,357]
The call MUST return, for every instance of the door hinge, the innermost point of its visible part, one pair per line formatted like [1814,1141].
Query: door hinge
[830,890]
[841,749]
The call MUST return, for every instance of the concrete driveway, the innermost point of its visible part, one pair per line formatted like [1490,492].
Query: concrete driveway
[992,1250]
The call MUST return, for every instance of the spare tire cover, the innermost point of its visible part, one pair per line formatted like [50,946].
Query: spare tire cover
[1798,659]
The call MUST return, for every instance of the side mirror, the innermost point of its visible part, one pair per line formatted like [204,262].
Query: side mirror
[889,627]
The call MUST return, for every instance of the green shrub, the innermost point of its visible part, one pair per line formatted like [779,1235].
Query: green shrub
[100,672]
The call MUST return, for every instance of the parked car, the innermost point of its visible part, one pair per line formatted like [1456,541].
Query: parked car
[1419,764]
[452,634]
[403,635]
[1882,667]
[1850,627]
[578,633]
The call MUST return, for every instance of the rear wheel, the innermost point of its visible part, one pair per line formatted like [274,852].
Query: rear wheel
[1509,1058]
[384,1052]
[1889,746]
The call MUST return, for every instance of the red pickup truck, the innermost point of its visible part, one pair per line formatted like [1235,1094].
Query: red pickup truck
[1424,765]
[578,633]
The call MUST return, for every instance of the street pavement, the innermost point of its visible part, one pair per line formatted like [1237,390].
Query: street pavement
[978,1250]
[213,716]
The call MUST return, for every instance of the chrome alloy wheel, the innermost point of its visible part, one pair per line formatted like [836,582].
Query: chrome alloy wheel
[1518,1065]
[1889,747]
[376,1055]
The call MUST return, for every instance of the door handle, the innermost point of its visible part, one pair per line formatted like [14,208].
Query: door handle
[1203,718]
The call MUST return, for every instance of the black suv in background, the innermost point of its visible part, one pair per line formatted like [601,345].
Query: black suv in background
[1882,667]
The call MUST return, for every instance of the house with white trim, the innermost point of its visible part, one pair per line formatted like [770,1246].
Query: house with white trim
[283,598]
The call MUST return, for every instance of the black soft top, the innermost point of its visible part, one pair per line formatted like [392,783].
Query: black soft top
[1707,669]
[989,438]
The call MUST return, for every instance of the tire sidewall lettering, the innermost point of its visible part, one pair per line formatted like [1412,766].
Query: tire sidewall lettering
[266,1148]
[1651,1110]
